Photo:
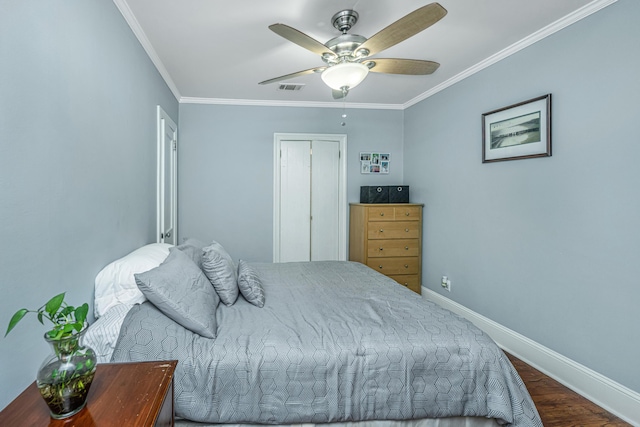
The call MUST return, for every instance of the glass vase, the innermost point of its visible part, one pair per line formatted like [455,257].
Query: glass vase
[65,376]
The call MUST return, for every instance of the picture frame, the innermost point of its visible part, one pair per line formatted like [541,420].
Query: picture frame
[374,162]
[518,131]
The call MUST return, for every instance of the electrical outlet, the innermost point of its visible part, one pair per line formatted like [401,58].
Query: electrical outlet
[446,283]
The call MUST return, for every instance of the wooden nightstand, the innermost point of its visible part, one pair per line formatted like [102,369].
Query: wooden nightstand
[122,394]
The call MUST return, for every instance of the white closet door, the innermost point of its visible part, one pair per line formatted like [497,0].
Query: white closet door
[295,201]
[310,204]
[325,161]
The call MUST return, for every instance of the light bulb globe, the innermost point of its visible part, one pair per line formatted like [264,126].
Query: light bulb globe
[345,75]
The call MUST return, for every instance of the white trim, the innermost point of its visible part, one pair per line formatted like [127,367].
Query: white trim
[277,177]
[128,15]
[159,154]
[342,199]
[550,29]
[603,391]
[271,103]
[163,120]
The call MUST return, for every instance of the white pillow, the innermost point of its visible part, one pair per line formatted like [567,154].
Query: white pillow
[102,334]
[115,284]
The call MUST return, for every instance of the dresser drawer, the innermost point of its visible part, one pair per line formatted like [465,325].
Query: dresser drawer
[408,213]
[394,266]
[395,213]
[381,213]
[393,247]
[394,230]
[411,281]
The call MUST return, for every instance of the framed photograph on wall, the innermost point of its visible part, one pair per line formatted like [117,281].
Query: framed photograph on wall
[519,131]
[371,162]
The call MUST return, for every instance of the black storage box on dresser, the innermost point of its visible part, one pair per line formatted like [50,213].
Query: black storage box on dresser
[374,194]
[384,194]
[398,194]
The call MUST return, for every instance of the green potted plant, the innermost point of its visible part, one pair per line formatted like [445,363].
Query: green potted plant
[66,374]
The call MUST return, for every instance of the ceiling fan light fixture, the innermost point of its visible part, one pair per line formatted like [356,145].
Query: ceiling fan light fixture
[346,74]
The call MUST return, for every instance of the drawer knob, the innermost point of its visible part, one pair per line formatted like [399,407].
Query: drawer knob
[406,266]
[381,213]
[381,230]
[406,229]
[381,248]
[406,213]
[406,248]
[380,267]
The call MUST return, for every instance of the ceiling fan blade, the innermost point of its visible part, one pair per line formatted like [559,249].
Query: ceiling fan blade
[301,39]
[339,94]
[414,67]
[292,75]
[403,28]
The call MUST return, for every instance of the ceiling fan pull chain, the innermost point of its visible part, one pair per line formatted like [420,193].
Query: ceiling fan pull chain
[344,107]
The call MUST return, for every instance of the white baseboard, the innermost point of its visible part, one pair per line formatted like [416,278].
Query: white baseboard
[606,393]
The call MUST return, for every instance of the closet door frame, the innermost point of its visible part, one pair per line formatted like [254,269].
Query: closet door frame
[166,179]
[342,187]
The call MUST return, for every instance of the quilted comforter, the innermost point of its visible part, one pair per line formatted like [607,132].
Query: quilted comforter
[335,341]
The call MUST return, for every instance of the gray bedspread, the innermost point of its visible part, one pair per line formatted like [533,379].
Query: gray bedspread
[335,341]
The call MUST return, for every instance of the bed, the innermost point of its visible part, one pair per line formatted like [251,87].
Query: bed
[333,342]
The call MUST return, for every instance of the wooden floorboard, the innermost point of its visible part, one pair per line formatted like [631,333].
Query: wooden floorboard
[559,405]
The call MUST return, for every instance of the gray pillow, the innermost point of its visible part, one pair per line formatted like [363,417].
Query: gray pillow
[250,284]
[193,252]
[182,292]
[221,271]
[193,242]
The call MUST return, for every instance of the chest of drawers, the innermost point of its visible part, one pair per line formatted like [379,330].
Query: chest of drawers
[388,238]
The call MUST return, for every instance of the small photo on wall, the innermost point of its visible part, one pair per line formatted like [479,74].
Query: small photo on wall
[384,166]
[364,166]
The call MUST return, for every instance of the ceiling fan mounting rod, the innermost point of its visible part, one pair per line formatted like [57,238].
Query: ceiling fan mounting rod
[344,20]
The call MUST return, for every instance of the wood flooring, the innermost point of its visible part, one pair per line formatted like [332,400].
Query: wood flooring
[559,405]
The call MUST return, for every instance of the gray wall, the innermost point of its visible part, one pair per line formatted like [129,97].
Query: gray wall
[78,100]
[547,247]
[533,244]
[225,166]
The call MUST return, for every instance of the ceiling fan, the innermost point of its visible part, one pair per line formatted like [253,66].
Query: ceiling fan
[349,56]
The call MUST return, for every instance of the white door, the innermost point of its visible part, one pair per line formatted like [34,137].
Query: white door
[325,215]
[295,198]
[309,197]
[167,179]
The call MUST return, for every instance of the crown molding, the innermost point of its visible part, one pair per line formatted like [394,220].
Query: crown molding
[304,104]
[128,15]
[550,29]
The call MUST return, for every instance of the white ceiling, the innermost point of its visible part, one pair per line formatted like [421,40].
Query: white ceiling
[217,51]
